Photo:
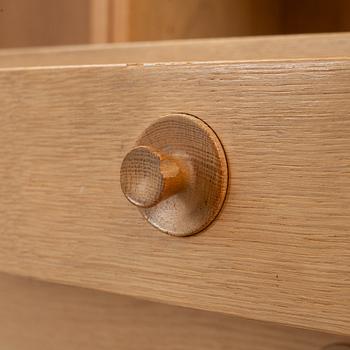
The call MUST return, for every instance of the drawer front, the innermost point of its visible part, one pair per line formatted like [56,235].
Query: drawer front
[280,248]
[73,318]
[235,48]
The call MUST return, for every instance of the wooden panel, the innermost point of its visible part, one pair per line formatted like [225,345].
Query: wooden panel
[119,18]
[109,20]
[99,21]
[312,16]
[43,22]
[279,251]
[139,20]
[76,318]
[254,48]
[184,19]
[52,22]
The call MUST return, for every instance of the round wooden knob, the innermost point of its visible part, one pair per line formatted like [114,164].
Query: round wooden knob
[176,175]
[148,176]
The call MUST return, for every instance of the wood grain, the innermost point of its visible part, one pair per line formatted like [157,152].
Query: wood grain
[76,318]
[279,250]
[252,48]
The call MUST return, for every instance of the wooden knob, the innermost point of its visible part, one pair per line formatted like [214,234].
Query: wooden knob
[148,176]
[176,175]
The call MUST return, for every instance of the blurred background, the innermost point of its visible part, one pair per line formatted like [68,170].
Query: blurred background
[65,22]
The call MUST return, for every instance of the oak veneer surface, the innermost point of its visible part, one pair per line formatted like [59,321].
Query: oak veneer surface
[279,250]
[77,318]
[250,48]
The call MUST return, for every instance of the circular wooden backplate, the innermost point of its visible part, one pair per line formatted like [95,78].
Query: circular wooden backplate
[192,142]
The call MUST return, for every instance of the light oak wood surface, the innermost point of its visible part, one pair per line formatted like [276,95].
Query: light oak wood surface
[279,250]
[37,315]
[252,48]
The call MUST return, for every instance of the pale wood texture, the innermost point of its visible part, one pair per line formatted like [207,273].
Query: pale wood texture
[177,176]
[278,251]
[253,48]
[37,315]
[44,22]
